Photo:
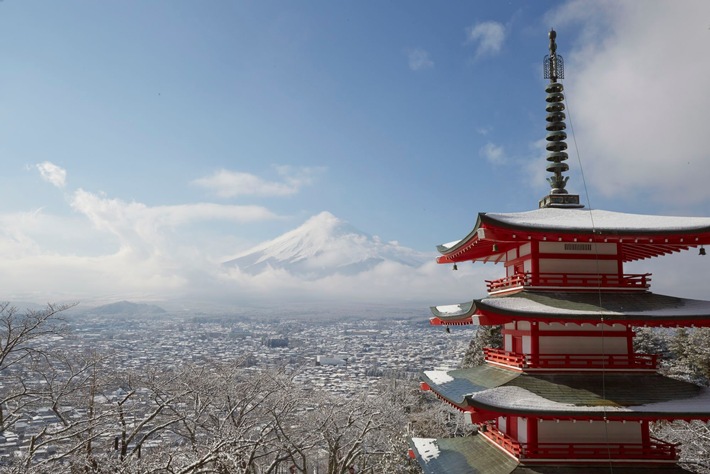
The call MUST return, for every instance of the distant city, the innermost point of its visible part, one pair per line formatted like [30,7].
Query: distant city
[342,354]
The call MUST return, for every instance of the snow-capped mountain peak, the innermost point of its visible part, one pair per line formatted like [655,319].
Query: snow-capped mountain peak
[324,245]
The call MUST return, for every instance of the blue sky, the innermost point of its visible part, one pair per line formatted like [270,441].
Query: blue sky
[145,142]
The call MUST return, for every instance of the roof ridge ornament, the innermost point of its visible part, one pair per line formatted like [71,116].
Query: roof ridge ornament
[553,69]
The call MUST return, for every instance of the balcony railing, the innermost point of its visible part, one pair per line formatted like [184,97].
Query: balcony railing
[501,439]
[656,450]
[639,281]
[573,361]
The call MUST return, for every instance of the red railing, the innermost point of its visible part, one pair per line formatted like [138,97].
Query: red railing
[657,450]
[573,361]
[502,439]
[566,280]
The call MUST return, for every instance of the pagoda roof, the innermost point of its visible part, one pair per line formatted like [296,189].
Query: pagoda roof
[454,314]
[630,308]
[640,236]
[626,396]
[474,454]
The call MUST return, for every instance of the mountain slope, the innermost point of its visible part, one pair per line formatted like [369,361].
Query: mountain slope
[324,245]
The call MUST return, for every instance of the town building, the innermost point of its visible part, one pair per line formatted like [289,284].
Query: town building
[566,392]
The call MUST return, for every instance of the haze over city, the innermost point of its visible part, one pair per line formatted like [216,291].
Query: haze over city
[145,144]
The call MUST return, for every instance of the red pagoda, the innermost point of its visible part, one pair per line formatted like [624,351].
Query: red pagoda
[566,393]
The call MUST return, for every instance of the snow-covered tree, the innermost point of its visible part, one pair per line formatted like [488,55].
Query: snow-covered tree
[485,336]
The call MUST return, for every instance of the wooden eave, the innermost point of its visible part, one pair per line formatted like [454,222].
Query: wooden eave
[491,238]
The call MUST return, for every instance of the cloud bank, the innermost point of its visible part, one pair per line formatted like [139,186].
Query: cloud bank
[637,94]
[108,249]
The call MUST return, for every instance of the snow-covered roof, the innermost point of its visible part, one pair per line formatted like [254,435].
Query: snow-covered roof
[427,448]
[586,220]
[463,455]
[475,454]
[642,236]
[639,308]
[630,308]
[455,314]
[627,395]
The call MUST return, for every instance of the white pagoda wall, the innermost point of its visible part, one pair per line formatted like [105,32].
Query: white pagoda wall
[577,343]
[523,252]
[563,265]
[522,430]
[585,432]
[577,265]
[583,345]
[522,425]
[508,344]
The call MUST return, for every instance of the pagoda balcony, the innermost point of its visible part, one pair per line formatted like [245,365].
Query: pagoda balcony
[655,451]
[634,362]
[590,281]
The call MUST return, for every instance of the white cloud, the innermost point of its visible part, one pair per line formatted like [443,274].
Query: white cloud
[636,82]
[116,249]
[52,173]
[143,259]
[388,282]
[225,183]
[144,228]
[419,59]
[488,36]
[494,154]
[113,249]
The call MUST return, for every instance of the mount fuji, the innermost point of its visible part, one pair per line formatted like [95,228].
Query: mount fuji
[324,246]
